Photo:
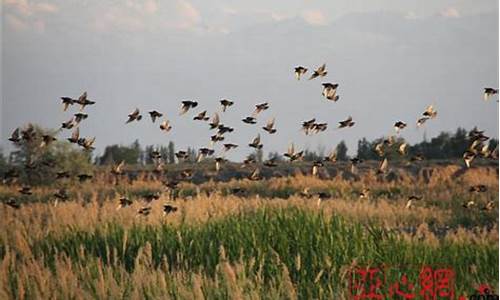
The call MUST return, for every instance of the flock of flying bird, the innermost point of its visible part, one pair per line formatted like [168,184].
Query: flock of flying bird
[478,146]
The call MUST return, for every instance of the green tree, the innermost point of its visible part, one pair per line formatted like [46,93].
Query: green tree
[171,152]
[342,151]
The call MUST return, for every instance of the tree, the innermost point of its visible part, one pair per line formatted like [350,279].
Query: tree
[39,162]
[342,151]
[171,152]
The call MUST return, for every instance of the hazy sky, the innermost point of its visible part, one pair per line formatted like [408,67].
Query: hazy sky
[391,59]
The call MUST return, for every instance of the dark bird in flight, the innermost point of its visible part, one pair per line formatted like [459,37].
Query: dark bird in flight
[165,126]
[75,136]
[204,152]
[217,138]
[249,120]
[25,190]
[218,162]
[80,117]
[468,158]
[186,105]
[330,91]
[86,143]
[225,104]
[83,177]
[321,71]
[118,169]
[182,155]
[319,127]
[155,115]
[480,188]
[167,209]
[270,126]
[134,116]
[202,116]
[399,125]
[123,202]
[67,101]
[145,211]
[332,156]
[308,125]
[223,129]
[229,146]
[430,112]
[259,108]
[215,122]
[83,101]
[346,123]
[68,124]
[299,71]
[489,92]
[13,203]
[489,206]
[15,136]
[421,121]
[256,143]
[271,163]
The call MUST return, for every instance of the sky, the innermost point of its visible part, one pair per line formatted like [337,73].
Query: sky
[391,59]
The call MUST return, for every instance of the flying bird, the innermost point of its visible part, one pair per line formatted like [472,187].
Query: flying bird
[155,115]
[83,101]
[489,92]
[167,209]
[259,108]
[399,125]
[134,116]
[430,112]
[346,123]
[299,71]
[186,105]
[123,202]
[330,91]
[402,148]
[249,120]
[382,169]
[255,175]
[80,117]
[202,116]
[165,126]
[67,101]
[468,158]
[270,126]
[256,143]
[421,121]
[321,71]
[215,122]
[225,104]
[229,146]
[15,136]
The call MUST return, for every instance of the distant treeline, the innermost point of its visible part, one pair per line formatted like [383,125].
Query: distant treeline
[36,164]
[444,146]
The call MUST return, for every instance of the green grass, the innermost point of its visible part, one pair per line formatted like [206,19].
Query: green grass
[274,238]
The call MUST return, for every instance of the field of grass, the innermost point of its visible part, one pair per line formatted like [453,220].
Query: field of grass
[268,242]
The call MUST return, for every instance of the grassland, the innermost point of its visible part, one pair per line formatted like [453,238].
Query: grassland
[268,242]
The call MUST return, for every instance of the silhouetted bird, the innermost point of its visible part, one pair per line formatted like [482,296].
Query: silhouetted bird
[83,101]
[259,108]
[202,116]
[270,126]
[15,137]
[421,121]
[155,115]
[167,209]
[123,202]
[134,116]
[75,136]
[229,146]
[346,123]
[399,125]
[299,71]
[186,105]
[215,122]
[430,112]
[67,101]
[256,143]
[225,104]
[13,203]
[330,91]
[488,92]
[80,117]
[165,126]
[249,120]
[145,211]
[321,71]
